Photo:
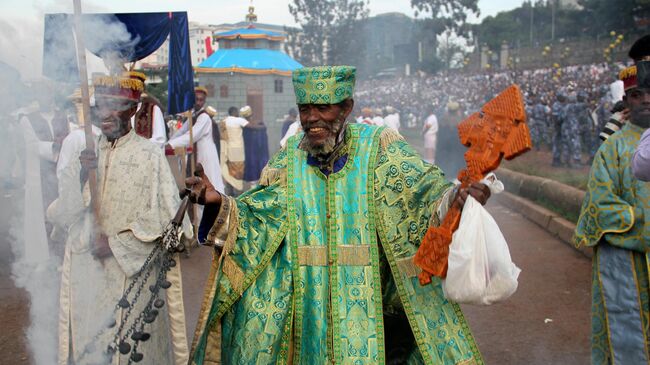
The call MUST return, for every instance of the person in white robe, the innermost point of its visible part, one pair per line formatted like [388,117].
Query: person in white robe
[137,198]
[294,129]
[378,119]
[206,150]
[430,130]
[148,120]
[232,149]
[43,129]
[158,134]
[392,118]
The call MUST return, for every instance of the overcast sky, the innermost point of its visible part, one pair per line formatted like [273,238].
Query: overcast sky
[21,22]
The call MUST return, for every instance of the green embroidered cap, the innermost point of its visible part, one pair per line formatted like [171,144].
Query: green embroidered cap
[323,84]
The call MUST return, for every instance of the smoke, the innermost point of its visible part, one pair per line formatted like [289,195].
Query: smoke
[34,117]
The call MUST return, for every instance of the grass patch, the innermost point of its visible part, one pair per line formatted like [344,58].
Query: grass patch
[570,216]
[538,163]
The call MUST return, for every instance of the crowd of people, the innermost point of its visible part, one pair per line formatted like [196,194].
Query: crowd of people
[335,218]
[567,107]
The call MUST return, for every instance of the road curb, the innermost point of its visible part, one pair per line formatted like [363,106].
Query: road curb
[531,187]
[548,220]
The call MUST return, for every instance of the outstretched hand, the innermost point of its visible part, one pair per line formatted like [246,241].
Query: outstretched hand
[478,191]
[201,190]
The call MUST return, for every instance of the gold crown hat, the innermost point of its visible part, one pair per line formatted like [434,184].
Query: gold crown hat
[628,76]
[245,111]
[324,84]
[127,87]
[201,89]
[135,75]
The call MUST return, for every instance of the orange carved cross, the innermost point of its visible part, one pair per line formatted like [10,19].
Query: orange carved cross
[499,130]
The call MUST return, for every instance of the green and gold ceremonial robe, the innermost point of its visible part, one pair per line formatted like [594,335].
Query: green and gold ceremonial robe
[312,263]
[614,220]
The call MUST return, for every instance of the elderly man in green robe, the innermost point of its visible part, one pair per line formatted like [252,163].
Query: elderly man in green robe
[316,263]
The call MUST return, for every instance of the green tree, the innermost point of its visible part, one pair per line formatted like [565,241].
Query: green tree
[548,22]
[327,30]
[451,50]
[442,16]
[346,45]
[618,15]
[447,14]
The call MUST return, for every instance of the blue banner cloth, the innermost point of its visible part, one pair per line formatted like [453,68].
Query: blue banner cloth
[128,36]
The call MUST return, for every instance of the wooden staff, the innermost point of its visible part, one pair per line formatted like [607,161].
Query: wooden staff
[192,170]
[193,156]
[85,102]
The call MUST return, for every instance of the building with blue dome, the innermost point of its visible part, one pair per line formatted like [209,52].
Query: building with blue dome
[249,68]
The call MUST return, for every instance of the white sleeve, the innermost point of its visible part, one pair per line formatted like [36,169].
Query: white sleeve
[68,147]
[293,129]
[158,135]
[199,130]
[433,121]
[241,122]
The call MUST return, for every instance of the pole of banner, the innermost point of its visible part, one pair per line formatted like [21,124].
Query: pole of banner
[194,207]
[85,102]
[193,155]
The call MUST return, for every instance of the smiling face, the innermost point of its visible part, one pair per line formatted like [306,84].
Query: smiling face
[637,101]
[323,124]
[115,116]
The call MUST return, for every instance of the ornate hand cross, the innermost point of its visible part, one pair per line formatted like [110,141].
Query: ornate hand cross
[498,130]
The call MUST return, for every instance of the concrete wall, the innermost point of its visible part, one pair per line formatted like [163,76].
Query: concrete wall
[276,105]
[579,52]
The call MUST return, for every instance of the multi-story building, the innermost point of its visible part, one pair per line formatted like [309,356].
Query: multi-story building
[201,42]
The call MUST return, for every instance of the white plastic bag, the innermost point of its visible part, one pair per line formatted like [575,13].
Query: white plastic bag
[480,270]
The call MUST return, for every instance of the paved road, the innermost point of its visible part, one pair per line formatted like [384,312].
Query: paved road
[545,322]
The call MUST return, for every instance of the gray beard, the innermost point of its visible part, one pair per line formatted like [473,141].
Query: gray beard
[331,143]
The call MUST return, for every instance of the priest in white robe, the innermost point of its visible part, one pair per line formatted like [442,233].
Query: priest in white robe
[205,149]
[137,198]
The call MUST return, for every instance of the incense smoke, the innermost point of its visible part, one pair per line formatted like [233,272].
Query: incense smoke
[28,175]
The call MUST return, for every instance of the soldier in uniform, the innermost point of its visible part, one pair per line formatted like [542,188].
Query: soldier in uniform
[585,122]
[571,149]
[539,122]
[557,115]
